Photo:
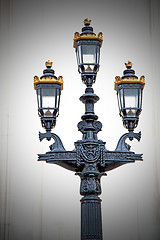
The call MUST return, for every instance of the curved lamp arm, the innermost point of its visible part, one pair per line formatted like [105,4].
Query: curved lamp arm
[57,145]
[122,146]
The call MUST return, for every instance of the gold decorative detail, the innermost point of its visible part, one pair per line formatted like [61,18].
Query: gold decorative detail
[93,36]
[119,80]
[142,79]
[100,35]
[77,35]
[48,79]
[86,21]
[48,63]
[129,64]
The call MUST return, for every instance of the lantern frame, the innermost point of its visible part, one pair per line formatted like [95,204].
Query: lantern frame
[93,65]
[88,67]
[130,122]
[129,82]
[54,85]
[54,109]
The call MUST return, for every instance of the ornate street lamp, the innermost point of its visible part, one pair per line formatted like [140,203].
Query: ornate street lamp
[89,159]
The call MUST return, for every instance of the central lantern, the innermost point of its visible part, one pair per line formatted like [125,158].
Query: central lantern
[87,46]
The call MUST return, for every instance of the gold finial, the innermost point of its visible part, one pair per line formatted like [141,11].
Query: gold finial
[87,22]
[129,64]
[48,63]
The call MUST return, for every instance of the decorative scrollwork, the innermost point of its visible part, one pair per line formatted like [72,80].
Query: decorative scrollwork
[81,126]
[97,125]
[122,146]
[57,145]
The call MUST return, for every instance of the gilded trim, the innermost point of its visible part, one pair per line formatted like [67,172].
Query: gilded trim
[129,64]
[87,36]
[48,63]
[48,79]
[87,22]
[119,80]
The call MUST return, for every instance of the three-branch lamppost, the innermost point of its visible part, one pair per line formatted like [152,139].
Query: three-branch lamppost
[90,159]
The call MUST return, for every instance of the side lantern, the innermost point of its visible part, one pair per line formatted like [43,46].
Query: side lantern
[48,88]
[129,93]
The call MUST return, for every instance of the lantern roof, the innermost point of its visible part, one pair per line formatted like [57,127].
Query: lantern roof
[87,33]
[129,76]
[48,76]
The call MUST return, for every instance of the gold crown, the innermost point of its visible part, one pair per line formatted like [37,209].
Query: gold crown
[129,64]
[86,21]
[48,63]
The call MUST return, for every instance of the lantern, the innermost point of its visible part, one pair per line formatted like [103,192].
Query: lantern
[87,46]
[129,92]
[48,88]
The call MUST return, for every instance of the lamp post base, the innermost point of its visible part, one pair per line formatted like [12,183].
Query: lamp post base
[91,219]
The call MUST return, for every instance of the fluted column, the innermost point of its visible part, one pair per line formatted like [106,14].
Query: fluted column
[91,219]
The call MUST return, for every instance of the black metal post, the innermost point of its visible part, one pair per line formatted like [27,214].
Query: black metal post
[91,220]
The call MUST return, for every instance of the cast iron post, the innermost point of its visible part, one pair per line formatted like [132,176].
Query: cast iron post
[89,154]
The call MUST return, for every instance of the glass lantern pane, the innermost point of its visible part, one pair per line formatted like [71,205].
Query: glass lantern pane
[131,101]
[38,98]
[121,98]
[140,98]
[98,54]
[89,53]
[119,103]
[48,98]
[131,98]
[79,55]
[58,98]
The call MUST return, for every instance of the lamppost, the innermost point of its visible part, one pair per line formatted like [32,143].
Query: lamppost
[90,159]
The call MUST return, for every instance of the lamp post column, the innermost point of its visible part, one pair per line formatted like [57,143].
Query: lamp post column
[89,159]
[91,219]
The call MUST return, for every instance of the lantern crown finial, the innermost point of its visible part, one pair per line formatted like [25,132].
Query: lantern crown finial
[87,22]
[129,64]
[87,33]
[48,76]
[129,76]
[48,64]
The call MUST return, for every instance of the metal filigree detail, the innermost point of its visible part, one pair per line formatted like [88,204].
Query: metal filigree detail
[90,153]
[97,125]
[90,185]
[82,126]
[90,180]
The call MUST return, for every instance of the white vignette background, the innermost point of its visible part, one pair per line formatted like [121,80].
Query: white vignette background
[41,201]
